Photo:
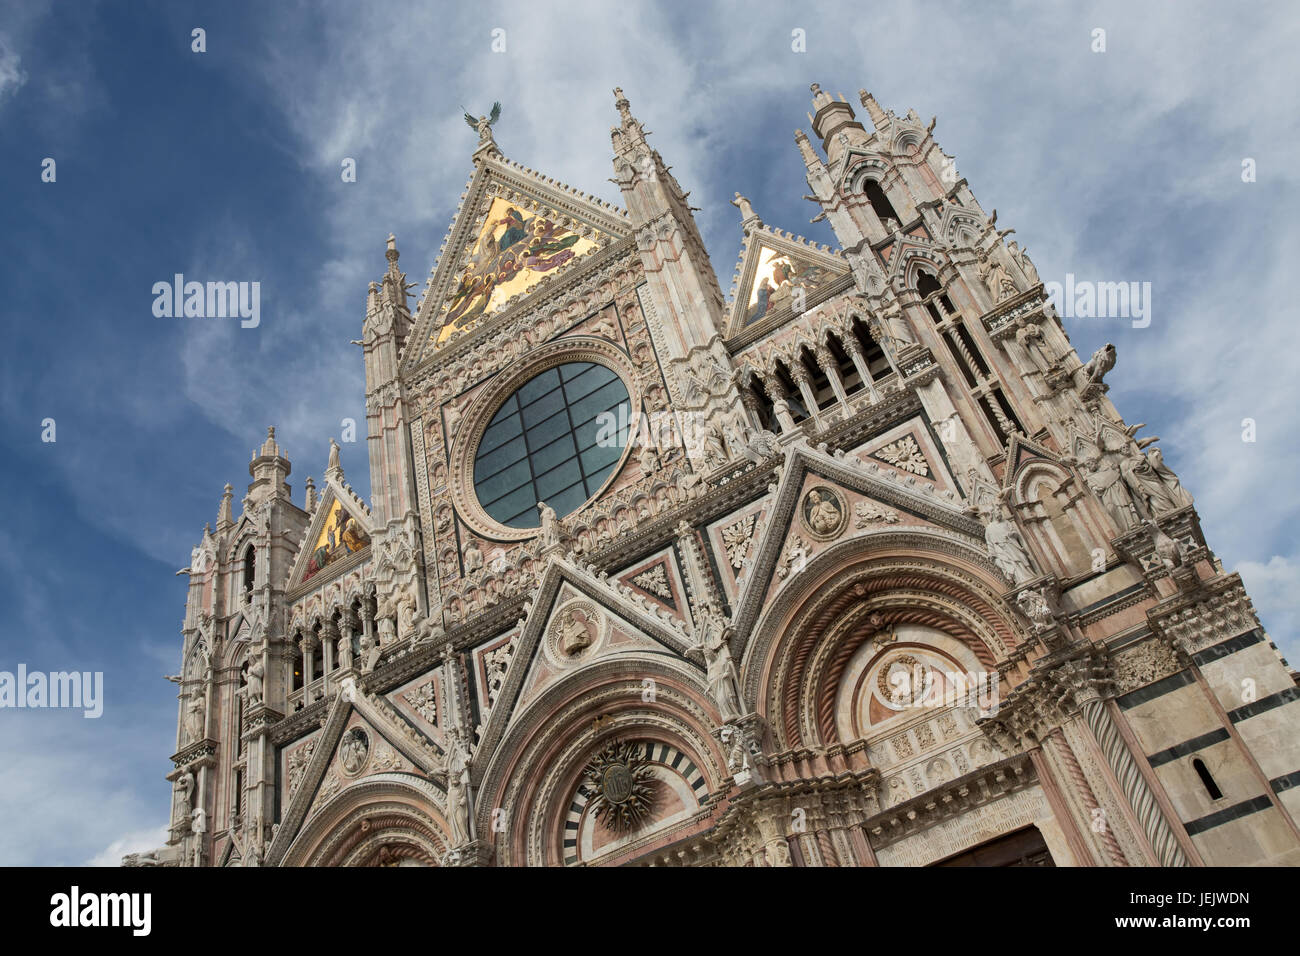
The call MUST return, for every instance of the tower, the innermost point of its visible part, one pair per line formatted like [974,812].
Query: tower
[858,566]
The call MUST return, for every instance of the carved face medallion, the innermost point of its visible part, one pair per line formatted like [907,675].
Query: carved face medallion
[823,512]
[354,751]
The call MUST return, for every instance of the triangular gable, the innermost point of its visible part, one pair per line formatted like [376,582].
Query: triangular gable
[514,231]
[304,799]
[1021,451]
[772,266]
[338,534]
[882,486]
[563,584]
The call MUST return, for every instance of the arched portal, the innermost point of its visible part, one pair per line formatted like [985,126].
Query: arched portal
[616,759]
[391,819]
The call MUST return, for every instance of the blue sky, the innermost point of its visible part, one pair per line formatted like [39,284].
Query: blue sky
[224,165]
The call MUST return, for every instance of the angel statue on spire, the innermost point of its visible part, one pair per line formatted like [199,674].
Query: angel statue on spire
[484,124]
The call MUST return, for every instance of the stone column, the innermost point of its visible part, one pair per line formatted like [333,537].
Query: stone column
[832,369]
[804,380]
[854,348]
[1133,784]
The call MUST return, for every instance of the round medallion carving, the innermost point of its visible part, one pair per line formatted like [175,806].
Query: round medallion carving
[575,632]
[823,512]
[354,751]
[903,681]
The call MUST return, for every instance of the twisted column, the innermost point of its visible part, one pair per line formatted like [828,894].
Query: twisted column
[1136,791]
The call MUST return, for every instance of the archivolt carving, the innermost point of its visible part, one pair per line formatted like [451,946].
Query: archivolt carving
[533,772]
[800,646]
[384,808]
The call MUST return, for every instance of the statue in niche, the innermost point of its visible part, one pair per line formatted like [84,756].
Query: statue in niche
[457,789]
[724,682]
[1029,336]
[195,716]
[1007,549]
[473,556]
[256,671]
[185,791]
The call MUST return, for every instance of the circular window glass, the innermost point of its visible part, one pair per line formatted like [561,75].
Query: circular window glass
[556,439]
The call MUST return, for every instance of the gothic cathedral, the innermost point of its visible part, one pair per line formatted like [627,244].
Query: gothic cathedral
[858,566]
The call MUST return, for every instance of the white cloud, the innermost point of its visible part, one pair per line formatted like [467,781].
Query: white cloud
[1273,586]
[12,75]
[138,841]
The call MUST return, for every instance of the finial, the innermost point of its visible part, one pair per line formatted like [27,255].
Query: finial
[820,97]
[391,255]
[623,106]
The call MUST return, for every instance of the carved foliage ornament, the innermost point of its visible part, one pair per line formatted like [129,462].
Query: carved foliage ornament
[906,455]
[621,783]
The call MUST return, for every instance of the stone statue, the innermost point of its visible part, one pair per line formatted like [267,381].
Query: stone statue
[457,790]
[405,617]
[1145,476]
[1170,553]
[195,716]
[649,459]
[343,648]
[473,557]
[574,634]
[334,456]
[256,671]
[484,124]
[1102,475]
[781,409]
[1029,336]
[746,210]
[1007,549]
[1000,283]
[714,447]
[185,788]
[1102,361]
[762,444]
[550,534]
[369,653]
[724,682]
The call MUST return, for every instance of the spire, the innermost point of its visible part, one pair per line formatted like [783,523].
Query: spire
[269,447]
[821,98]
[268,470]
[810,157]
[310,504]
[395,284]
[878,116]
[224,518]
[629,134]
[835,124]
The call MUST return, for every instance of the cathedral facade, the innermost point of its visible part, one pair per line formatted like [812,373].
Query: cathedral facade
[856,566]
